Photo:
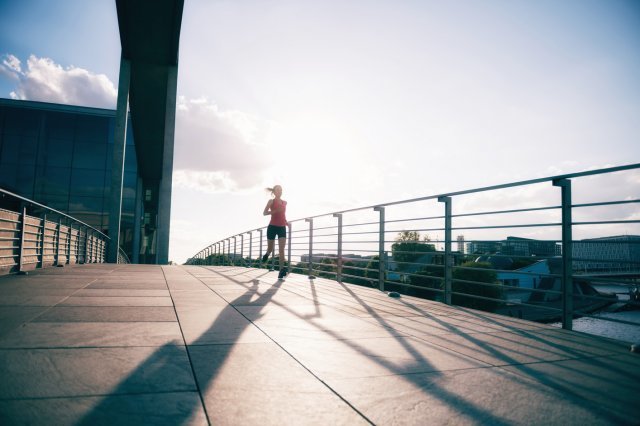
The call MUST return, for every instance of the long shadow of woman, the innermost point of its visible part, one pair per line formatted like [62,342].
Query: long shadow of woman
[162,389]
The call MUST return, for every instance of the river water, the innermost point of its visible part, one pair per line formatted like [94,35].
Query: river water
[601,327]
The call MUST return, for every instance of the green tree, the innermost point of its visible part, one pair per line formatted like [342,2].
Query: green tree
[352,273]
[327,268]
[428,279]
[472,282]
[409,247]
[300,268]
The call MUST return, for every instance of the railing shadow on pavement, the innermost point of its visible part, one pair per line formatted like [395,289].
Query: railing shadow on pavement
[458,402]
[541,344]
[161,360]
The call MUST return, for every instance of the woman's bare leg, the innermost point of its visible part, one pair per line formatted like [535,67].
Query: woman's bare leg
[270,244]
[281,244]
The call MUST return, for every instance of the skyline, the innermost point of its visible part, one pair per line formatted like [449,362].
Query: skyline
[443,87]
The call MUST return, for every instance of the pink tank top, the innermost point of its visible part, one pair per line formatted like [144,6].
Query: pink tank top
[279,218]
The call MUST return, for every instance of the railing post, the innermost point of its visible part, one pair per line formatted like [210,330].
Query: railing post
[234,251]
[567,253]
[339,260]
[448,260]
[44,229]
[250,247]
[23,226]
[310,267]
[381,253]
[229,251]
[289,245]
[77,245]
[242,249]
[260,250]
[85,247]
[93,247]
[59,232]
[90,243]
[69,235]
[89,247]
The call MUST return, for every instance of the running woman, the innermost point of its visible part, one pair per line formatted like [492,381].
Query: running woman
[276,208]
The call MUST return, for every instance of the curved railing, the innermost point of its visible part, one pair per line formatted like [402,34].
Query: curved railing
[29,239]
[545,249]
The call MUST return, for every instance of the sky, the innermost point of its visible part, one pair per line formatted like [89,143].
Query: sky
[349,104]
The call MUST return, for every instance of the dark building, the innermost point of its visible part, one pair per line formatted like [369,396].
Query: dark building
[614,254]
[61,156]
[83,162]
[516,246]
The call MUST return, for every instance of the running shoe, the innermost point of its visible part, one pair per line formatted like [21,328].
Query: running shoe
[283,273]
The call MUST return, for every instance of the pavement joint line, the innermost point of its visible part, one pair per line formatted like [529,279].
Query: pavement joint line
[295,359]
[193,371]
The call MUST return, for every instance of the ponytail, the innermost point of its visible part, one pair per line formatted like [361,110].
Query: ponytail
[272,191]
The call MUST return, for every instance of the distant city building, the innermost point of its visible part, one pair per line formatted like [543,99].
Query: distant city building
[516,246]
[482,247]
[607,254]
[461,244]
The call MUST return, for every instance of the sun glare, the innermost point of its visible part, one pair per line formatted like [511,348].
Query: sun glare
[317,160]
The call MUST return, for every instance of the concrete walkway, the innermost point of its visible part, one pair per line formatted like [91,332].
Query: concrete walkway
[134,344]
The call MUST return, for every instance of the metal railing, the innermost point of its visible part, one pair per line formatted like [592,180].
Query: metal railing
[29,242]
[531,257]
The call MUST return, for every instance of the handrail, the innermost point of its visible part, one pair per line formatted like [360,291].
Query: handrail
[444,273]
[122,257]
[30,242]
[35,203]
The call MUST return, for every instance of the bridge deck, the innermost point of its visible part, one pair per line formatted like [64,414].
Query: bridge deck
[134,344]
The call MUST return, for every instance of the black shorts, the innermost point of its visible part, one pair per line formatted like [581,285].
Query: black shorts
[276,231]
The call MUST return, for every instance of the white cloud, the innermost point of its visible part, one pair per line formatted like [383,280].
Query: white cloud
[44,80]
[219,151]
[11,66]
[207,182]
[215,150]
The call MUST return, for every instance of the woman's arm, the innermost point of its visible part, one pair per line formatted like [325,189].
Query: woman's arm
[267,209]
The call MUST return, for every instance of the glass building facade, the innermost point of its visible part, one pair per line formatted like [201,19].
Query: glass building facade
[61,156]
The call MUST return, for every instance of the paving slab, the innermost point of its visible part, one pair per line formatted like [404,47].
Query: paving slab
[12,317]
[92,334]
[116,301]
[261,384]
[485,396]
[107,314]
[129,284]
[183,408]
[124,292]
[146,344]
[94,371]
